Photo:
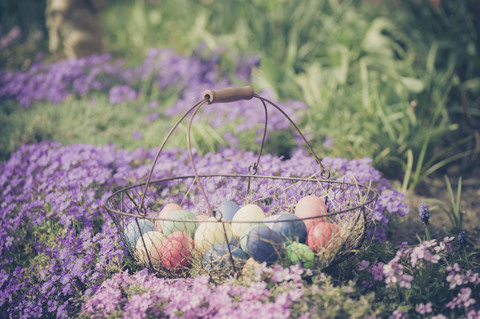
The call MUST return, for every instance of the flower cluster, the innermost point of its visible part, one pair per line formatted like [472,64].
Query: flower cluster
[54,243]
[58,81]
[423,266]
[161,70]
[142,294]
[457,277]
[269,293]
[56,240]
[424,213]
[55,82]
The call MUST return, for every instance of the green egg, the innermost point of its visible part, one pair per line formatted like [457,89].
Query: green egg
[298,252]
[174,222]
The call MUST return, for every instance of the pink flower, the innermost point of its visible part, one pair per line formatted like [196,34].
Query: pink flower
[422,308]
[363,265]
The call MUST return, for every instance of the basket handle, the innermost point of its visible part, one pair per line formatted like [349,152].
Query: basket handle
[224,96]
[228,95]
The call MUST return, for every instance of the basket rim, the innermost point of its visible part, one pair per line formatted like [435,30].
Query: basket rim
[371,190]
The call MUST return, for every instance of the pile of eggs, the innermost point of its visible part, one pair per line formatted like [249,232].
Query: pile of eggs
[235,235]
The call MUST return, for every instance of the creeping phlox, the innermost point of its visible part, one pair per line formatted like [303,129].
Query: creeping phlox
[428,264]
[57,244]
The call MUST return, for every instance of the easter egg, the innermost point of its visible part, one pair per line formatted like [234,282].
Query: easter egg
[290,228]
[320,235]
[176,251]
[298,252]
[174,222]
[311,206]
[167,209]
[148,246]
[212,232]
[243,238]
[250,212]
[135,230]
[217,258]
[227,210]
[263,244]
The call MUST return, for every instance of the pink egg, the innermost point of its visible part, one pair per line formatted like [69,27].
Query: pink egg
[176,251]
[167,209]
[320,235]
[310,223]
[311,206]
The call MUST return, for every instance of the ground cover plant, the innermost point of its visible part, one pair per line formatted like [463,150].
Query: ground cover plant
[380,102]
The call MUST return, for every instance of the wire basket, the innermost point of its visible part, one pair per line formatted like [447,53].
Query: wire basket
[225,224]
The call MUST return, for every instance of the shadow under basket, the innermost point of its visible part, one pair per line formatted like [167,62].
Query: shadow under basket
[225,224]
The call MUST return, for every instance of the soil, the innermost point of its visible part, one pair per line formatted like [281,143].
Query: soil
[434,192]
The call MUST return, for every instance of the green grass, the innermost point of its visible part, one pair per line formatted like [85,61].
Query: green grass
[90,120]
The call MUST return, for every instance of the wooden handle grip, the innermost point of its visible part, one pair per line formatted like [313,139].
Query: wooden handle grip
[228,94]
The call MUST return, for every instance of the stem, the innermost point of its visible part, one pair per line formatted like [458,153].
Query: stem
[427,233]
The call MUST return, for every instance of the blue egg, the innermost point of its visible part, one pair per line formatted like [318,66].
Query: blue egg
[290,228]
[218,258]
[226,210]
[264,245]
[134,231]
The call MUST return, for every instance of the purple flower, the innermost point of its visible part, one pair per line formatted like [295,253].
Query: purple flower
[151,117]
[153,105]
[462,238]
[137,135]
[377,271]
[463,299]
[422,308]
[363,265]
[120,93]
[398,314]
[424,213]
[328,142]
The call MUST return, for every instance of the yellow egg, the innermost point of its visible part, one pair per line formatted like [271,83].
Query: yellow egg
[211,232]
[247,213]
[150,243]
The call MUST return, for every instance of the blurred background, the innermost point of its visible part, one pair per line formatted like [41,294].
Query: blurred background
[395,81]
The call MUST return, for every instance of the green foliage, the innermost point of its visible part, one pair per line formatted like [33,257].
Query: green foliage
[87,120]
[336,301]
[452,207]
[401,90]
[453,27]
[131,28]
[363,76]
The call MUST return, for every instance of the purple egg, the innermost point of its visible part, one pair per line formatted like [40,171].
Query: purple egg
[264,245]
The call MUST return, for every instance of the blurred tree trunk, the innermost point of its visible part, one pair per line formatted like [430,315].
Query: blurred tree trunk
[74,26]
